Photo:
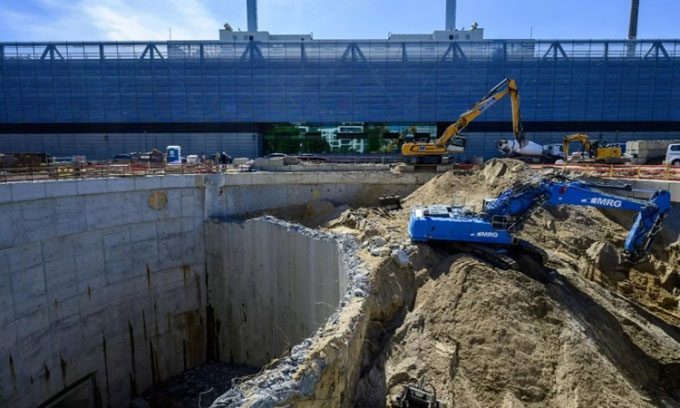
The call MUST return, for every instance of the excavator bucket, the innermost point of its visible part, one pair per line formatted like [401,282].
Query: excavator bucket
[390,202]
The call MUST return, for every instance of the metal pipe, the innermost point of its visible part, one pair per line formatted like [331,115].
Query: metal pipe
[450,15]
[252,15]
[632,27]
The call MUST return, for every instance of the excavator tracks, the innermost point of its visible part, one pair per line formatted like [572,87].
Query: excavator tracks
[522,256]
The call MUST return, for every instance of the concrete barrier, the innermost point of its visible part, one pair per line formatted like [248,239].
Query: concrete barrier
[94,282]
[105,279]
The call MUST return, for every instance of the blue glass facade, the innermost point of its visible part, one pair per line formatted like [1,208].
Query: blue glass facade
[622,88]
[334,81]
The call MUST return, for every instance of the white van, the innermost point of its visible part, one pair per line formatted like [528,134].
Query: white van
[673,154]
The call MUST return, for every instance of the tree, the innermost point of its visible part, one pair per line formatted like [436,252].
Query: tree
[375,134]
[286,138]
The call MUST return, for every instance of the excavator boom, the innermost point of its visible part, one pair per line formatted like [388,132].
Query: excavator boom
[438,148]
[506,214]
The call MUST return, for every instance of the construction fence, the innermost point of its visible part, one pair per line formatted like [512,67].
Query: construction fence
[627,171]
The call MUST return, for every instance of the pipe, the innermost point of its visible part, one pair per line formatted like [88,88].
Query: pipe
[632,27]
[450,15]
[252,15]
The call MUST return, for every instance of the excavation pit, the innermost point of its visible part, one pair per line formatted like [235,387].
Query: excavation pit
[113,287]
[110,287]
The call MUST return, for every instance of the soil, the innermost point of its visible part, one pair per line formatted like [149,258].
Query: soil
[584,329]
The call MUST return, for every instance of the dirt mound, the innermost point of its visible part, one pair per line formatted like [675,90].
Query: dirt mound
[586,334]
[567,233]
[471,189]
[487,337]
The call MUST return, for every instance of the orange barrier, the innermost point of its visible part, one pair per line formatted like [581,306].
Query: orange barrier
[81,171]
[651,172]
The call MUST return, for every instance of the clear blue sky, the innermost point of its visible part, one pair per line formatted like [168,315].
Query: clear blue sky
[89,20]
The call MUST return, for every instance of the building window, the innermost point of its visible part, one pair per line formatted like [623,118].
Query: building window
[450,36]
[467,36]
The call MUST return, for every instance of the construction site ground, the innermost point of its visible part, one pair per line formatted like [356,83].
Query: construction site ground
[584,329]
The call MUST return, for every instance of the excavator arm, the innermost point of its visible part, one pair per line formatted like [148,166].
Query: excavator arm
[576,137]
[513,206]
[438,148]
[505,87]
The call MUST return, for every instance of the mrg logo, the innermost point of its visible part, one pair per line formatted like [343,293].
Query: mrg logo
[486,234]
[607,202]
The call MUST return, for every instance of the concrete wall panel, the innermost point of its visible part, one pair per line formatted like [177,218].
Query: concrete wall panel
[84,274]
[276,286]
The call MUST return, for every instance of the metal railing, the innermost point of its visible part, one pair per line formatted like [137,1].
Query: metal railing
[335,50]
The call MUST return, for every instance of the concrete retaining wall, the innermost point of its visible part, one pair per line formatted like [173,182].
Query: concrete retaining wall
[105,278]
[322,370]
[272,284]
[238,194]
[94,281]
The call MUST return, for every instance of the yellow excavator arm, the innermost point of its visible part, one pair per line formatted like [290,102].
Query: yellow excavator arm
[438,147]
[576,137]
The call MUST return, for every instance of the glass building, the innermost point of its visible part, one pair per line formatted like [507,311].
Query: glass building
[100,98]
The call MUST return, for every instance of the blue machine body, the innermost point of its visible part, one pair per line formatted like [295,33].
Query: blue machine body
[506,214]
[450,223]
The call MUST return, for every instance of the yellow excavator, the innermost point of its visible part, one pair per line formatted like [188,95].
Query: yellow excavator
[596,151]
[451,142]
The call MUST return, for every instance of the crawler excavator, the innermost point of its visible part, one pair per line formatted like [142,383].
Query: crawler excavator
[596,151]
[491,231]
[450,141]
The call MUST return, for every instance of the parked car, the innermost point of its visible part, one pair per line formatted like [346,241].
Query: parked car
[673,154]
[274,155]
[122,158]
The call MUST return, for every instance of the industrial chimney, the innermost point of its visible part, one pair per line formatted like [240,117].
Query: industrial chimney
[450,15]
[633,25]
[252,15]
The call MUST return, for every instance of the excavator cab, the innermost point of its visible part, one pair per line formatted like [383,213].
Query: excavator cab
[606,152]
[457,144]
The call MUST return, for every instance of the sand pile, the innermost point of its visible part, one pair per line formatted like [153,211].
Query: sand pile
[486,337]
[592,333]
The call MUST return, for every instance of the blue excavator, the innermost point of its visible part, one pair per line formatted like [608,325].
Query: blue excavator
[491,231]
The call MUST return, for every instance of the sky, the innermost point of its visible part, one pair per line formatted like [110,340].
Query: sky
[124,20]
